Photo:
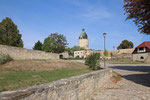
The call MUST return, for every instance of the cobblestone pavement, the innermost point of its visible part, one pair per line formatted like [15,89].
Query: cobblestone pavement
[134,85]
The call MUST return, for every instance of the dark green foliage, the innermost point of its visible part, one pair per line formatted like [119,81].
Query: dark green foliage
[38,46]
[111,54]
[106,53]
[125,45]
[55,43]
[49,45]
[5,58]
[61,42]
[9,34]
[92,61]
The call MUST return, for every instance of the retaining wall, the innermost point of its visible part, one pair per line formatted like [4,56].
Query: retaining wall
[21,53]
[74,88]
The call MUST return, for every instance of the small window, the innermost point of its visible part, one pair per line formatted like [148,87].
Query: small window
[141,49]
[142,57]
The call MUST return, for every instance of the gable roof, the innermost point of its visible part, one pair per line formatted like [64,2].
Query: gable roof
[144,44]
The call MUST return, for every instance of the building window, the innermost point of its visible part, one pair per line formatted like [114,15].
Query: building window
[142,57]
[141,49]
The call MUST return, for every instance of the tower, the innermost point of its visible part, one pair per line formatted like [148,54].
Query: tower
[83,40]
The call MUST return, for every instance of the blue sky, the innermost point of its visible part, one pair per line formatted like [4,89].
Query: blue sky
[36,19]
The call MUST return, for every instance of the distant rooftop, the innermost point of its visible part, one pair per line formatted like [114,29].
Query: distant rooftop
[144,44]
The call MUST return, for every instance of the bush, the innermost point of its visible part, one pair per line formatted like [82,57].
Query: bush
[106,53]
[5,58]
[93,61]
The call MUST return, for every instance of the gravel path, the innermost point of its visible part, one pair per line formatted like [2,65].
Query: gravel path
[135,84]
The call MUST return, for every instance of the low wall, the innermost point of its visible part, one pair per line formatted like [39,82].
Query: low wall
[74,88]
[21,53]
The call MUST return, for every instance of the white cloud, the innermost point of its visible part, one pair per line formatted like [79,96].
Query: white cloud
[96,14]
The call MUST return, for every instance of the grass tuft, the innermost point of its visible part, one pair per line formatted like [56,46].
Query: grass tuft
[5,58]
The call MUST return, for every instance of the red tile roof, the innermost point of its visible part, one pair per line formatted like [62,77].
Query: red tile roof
[144,44]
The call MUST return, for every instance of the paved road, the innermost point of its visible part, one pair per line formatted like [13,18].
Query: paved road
[135,84]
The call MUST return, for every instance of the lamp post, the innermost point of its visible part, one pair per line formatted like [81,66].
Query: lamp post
[104,34]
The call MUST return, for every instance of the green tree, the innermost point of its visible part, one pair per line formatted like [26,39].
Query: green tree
[55,43]
[92,61]
[9,33]
[139,11]
[106,53]
[125,44]
[38,46]
[49,45]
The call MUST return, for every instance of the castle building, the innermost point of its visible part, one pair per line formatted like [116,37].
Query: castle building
[83,40]
[83,43]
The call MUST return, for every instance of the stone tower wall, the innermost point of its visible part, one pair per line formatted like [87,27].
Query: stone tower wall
[84,43]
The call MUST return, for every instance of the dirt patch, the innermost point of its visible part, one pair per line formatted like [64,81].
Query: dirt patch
[116,77]
[42,64]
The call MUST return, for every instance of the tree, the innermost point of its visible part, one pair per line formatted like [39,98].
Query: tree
[111,54]
[106,53]
[125,44]
[38,46]
[92,61]
[55,43]
[9,34]
[49,45]
[74,48]
[139,11]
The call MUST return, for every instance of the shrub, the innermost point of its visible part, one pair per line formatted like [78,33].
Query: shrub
[111,54]
[106,53]
[93,61]
[5,58]
[122,57]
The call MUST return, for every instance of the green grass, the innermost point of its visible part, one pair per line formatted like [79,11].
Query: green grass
[14,79]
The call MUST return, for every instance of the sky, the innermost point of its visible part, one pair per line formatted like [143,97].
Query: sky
[37,19]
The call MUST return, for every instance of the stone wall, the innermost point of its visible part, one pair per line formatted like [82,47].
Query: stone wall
[147,60]
[117,53]
[21,53]
[137,57]
[74,88]
[145,56]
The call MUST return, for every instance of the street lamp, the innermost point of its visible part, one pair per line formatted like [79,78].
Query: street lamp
[104,34]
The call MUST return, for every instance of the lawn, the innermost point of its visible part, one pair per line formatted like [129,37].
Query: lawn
[14,79]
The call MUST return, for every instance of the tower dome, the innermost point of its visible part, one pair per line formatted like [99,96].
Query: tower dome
[83,40]
[83,35]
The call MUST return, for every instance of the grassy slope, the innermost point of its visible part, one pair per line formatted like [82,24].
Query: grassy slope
[14,79]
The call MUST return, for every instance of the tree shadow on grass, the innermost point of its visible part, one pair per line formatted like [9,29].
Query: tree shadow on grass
[141,78]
